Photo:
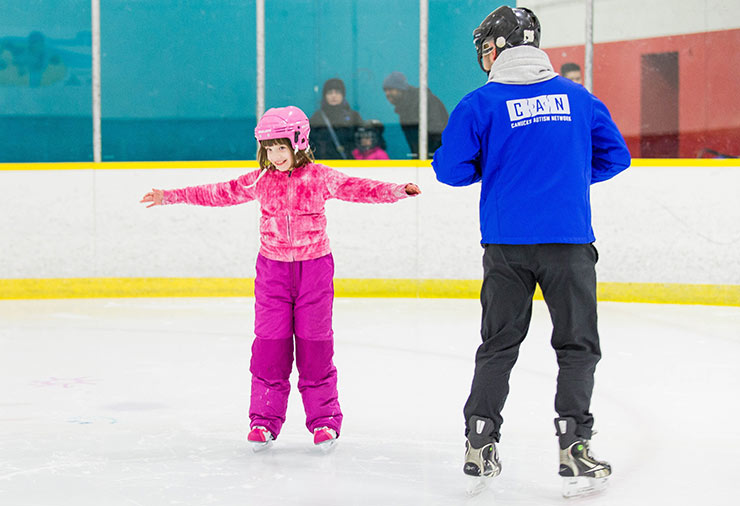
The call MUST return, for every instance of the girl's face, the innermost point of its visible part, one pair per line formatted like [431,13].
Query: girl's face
[280,156]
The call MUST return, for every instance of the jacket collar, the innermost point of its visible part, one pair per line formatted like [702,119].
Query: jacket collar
[521,65]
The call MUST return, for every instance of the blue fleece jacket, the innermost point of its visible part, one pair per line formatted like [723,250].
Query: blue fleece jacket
[536,148]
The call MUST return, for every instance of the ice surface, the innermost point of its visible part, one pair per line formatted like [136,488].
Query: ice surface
[144,402]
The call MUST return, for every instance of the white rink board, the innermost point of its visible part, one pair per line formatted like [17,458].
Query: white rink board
[653,225]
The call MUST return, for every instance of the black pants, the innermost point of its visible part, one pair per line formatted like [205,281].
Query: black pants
[566,273]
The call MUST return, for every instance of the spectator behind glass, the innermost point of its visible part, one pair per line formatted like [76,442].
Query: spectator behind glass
[405,99]
[333,125]
[369,141]
[572,71]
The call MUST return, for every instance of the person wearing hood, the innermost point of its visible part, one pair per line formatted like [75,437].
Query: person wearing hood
[536,142]
[334,124]
[405,99]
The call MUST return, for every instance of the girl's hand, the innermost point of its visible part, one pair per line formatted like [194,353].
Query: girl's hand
[412,189]
[154,196]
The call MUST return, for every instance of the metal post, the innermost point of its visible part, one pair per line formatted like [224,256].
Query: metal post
[423,77]
[588,71]
[260,58]
[97,142]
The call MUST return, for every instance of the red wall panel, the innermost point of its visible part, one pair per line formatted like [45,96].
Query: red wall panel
[709,86]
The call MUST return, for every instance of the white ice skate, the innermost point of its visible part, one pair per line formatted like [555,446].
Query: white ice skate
[260,438]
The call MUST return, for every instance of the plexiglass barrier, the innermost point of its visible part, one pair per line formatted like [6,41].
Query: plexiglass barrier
[179,81]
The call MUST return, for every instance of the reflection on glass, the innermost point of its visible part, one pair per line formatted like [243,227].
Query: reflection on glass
[37,60]
[45,82]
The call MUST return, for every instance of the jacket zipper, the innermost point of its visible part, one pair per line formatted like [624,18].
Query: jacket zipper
[290,240]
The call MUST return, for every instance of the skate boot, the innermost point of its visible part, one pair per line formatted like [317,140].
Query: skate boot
[481,456]
[582,473]
[325,438]
[260,438]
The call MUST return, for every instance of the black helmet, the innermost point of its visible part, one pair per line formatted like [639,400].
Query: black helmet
[508,28]
[372,129]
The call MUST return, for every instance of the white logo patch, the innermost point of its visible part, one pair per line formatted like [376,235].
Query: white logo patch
[525,111]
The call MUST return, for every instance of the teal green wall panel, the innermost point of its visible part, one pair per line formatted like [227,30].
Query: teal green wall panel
[178,76]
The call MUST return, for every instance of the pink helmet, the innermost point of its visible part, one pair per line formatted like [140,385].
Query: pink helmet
[289,122]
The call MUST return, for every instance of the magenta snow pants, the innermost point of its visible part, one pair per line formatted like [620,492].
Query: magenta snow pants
[294,299]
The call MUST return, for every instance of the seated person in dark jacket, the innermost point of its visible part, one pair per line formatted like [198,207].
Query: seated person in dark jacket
[333,125]
[405,98]
[369,141]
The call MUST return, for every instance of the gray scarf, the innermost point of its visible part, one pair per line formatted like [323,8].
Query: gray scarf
[521,65]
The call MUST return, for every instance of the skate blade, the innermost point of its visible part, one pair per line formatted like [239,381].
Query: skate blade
[258,447]
[476,484]
[579,486]
[327,446]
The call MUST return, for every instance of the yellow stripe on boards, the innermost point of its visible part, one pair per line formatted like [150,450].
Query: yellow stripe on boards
[227,164]
[339,164]
[72,288]
[67,288]
[685,162]
[670,293]
[408,288]
[248,164]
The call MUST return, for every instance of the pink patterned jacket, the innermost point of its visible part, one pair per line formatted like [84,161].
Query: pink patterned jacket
[293,222]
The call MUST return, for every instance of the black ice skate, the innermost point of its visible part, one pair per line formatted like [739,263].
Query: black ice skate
[582,473]
[481,456]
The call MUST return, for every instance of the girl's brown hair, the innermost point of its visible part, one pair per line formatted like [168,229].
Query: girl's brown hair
[302,157]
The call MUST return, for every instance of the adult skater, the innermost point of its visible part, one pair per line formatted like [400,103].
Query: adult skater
[536,141]
[293,290]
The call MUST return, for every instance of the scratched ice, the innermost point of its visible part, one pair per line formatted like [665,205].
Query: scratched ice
[144,402]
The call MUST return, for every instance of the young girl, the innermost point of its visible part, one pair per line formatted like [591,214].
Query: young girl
[370,142]
[293,288]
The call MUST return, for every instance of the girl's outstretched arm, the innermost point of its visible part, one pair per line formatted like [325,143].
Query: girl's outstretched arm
[356,189]
[229,193]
